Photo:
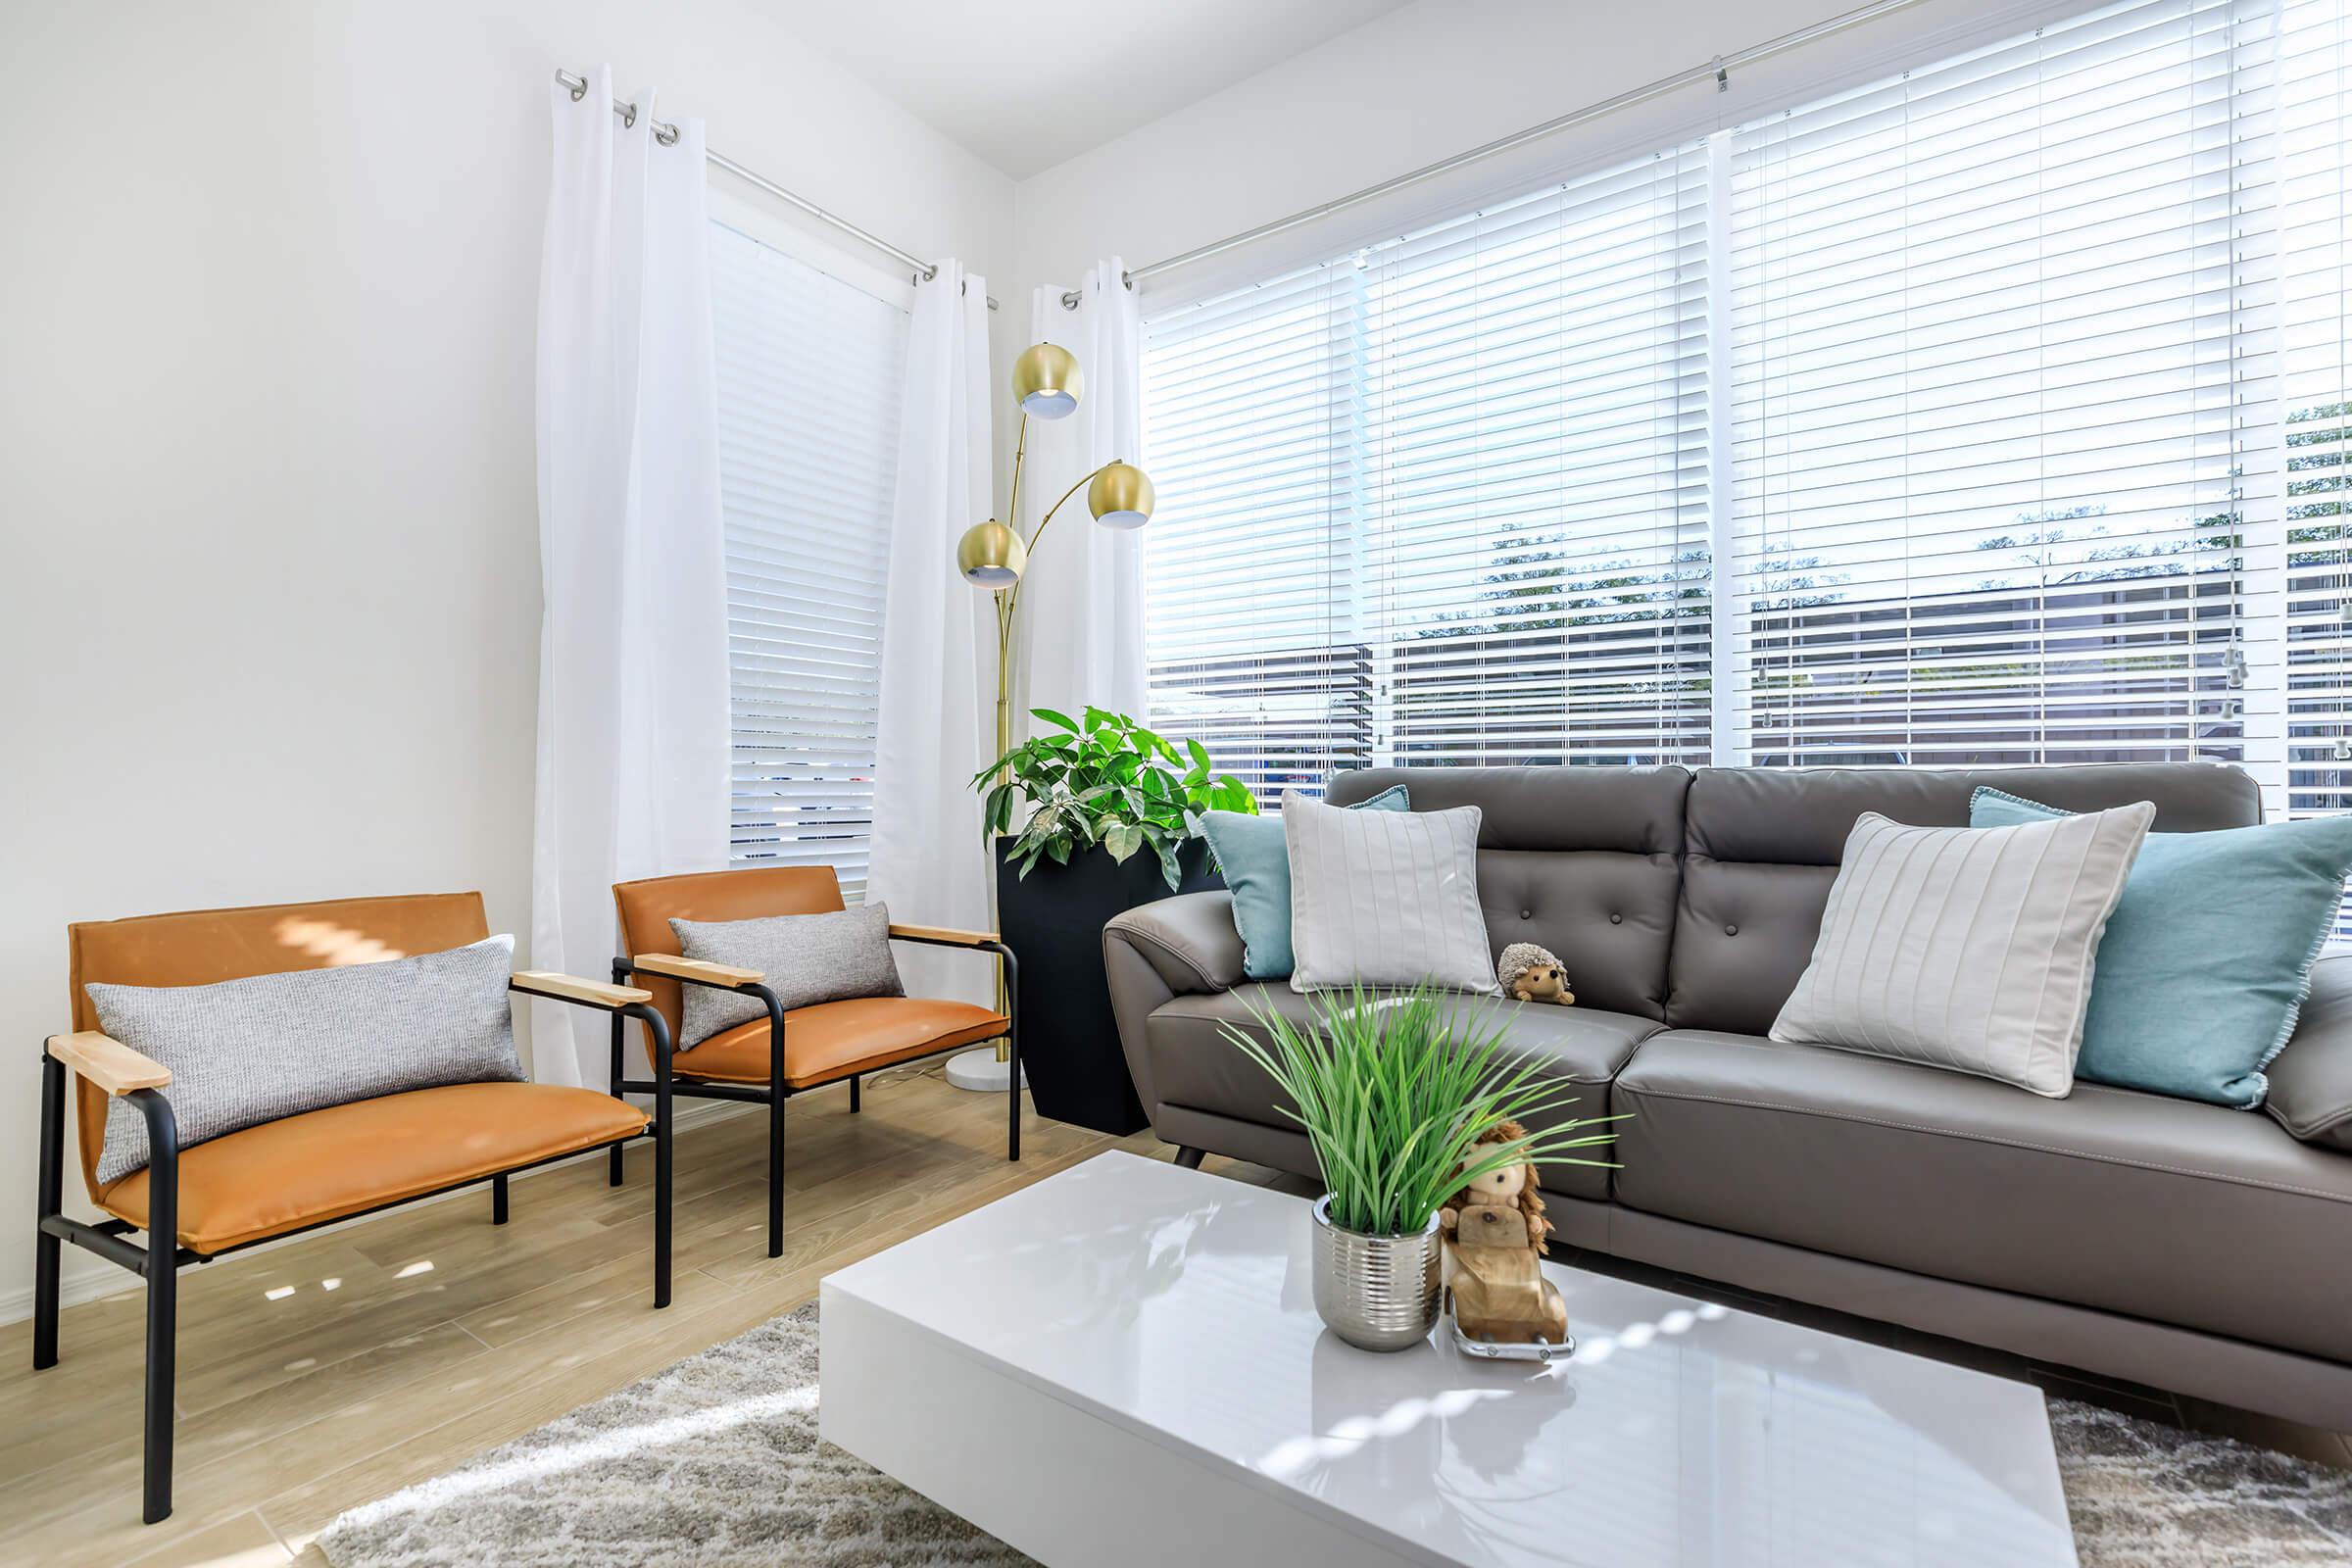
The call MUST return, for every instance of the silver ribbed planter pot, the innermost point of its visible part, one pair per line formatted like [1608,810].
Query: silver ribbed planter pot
[1379,1292]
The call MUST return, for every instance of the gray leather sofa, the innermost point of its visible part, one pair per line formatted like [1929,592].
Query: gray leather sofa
[2184,1246]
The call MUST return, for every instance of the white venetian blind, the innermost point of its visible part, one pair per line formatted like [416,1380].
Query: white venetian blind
[2315,179]
[1443,499]
[1537,474]
[809,372]
[1254,579]
[2001,410]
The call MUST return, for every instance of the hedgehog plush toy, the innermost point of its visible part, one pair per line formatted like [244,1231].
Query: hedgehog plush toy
[1530,974]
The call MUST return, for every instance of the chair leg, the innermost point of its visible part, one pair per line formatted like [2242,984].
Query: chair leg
[498,1200]
[163,1297]
[852,1093]
[47,1249]
[662,1168]
[777,1059]
[613,1171]
[1012,1053]
[162,1311]
[775,1174]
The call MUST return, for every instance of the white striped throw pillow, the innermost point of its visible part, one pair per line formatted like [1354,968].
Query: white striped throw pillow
[1969,949]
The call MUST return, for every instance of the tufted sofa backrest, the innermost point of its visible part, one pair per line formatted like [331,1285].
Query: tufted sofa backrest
[1696,897]
[1583,860]
[1763,846]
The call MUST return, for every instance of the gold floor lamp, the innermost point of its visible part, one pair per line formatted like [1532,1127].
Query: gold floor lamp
[1046,383]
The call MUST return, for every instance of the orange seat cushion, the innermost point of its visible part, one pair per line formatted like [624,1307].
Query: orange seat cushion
[324,1164]
[834,1039]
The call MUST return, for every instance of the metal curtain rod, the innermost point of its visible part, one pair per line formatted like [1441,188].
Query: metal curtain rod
[668,135]
[1719,70]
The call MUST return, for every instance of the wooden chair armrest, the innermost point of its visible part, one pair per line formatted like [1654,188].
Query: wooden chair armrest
[571,988]
[947,935]
[108,1063]
[671,966]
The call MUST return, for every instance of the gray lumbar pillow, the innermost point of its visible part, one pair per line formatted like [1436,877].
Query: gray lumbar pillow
[1969,949]
[1385,897]
[808,959]
[268,1046]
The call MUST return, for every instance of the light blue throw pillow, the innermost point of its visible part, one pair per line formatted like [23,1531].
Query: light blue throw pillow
[1255,859]
[2207,960]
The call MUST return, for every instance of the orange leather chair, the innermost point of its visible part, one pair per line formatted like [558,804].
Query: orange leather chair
[769,1059]
[301,1171]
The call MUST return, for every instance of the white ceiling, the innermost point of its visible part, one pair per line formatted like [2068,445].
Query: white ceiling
[1027,86]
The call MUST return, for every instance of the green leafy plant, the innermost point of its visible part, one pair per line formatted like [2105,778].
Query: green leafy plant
[1107,781]
[1394,1093]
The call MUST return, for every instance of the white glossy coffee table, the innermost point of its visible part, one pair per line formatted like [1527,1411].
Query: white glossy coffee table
[1122,1365]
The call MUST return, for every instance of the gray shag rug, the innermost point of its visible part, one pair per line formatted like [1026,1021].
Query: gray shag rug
[716,1460]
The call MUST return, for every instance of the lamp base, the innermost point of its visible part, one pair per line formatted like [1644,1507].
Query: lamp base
[982,1072]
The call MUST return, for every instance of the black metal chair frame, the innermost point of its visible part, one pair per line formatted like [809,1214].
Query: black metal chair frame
[160,1263]
[776,1092]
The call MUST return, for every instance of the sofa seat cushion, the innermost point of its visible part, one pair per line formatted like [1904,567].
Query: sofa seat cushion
[834,1039]
[324,1164]
[1194,1064]
[2165,1209]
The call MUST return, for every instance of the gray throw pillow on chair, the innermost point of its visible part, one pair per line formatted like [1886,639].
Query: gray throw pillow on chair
[808,959]
[268,1046]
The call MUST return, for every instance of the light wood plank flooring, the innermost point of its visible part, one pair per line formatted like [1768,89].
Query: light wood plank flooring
[346,1365]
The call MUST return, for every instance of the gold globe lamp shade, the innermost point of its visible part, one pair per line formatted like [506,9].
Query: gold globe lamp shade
[1046,382]
[990,555]
[1121,496]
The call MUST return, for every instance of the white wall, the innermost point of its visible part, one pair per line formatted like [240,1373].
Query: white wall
[271,572]
[1424,83]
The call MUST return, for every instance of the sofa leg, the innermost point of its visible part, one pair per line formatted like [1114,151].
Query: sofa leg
[1190,1159]
[498,1200]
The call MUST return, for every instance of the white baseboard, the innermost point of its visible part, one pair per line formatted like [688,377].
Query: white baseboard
[96,1278]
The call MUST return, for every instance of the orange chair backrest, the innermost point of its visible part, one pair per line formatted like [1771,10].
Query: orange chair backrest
[200,945]
[753,893]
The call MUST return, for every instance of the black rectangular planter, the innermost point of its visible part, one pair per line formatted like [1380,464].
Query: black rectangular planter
[1052,921]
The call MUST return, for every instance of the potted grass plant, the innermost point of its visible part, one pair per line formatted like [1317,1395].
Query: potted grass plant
[1394,1093]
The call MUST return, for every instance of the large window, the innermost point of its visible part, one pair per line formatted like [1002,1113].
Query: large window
[810,371]
[1993,414]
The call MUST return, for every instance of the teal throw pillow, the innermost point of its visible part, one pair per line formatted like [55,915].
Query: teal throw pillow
[1255,859]
[2208,956]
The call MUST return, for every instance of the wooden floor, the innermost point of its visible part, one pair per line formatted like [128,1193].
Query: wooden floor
[343,1366]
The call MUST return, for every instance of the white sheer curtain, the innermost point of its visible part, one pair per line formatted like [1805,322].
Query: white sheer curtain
[938,723]
[1082,607]
[632,763]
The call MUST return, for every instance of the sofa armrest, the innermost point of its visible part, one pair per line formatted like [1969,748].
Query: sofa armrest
[1190,940]
[1185,944]
[2311,1080]
[108,1063]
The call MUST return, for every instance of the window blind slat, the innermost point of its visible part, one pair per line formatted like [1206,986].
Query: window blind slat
[809,370]
[1997,411]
